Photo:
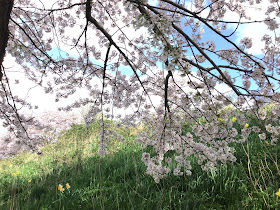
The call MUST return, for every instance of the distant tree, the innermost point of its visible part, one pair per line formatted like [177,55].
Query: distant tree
[82,42]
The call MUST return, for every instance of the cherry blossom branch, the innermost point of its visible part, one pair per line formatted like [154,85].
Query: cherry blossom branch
[53,9]
[15,111]
[106,34]
[207,57]
[32,41]
[205,19]
[225,37]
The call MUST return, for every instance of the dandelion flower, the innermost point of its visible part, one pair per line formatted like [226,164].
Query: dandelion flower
[278,193]
[29,180]
[233,119]
[67,186]
[246,125]
[17,172]
[13,174]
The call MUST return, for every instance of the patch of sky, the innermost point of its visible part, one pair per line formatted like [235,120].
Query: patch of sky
[57,53]
[153,2]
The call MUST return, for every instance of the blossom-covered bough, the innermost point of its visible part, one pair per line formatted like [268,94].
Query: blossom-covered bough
[113,48]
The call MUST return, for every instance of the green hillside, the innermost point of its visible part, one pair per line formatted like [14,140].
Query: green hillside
[118,180]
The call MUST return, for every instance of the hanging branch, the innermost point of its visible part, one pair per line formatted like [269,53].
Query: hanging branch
[103,86]
[179,30]
[112,42]
[166,88]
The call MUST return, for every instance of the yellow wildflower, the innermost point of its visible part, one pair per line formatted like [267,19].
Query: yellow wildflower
[233,119]
[11,165]
[246,125]
[278,193]
[67,186]
[220,119]
[13,174]
[29,180]
[17,172]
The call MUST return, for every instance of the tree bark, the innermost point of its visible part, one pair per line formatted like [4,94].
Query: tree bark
[5,11]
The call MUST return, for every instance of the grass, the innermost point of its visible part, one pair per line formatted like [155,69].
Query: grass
[118,180]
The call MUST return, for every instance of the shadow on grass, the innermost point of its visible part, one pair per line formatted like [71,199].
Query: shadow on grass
[119,182]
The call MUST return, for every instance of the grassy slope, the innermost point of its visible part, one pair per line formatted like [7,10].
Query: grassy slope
[118,181]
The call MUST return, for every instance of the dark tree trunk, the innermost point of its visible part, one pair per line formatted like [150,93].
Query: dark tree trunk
[5,11]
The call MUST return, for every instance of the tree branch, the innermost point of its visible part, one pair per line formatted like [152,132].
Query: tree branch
[109,37]
[166,89]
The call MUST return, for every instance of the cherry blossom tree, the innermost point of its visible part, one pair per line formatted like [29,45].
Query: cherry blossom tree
[114,48]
